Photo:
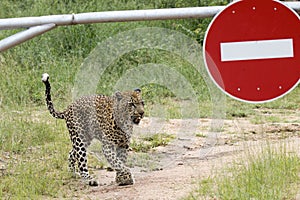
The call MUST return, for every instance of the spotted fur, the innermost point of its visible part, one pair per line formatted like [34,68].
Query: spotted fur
[109,119]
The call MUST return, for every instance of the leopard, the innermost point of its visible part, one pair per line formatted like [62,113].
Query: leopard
[109,119]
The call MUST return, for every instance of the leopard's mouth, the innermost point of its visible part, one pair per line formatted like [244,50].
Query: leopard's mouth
[136,119]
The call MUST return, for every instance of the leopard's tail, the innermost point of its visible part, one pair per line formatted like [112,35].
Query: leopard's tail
[59,115]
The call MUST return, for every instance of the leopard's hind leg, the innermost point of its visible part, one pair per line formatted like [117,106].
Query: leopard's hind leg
[81,157]
[72,162]
[79,154]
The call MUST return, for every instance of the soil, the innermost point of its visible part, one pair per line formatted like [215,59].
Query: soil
[199,151]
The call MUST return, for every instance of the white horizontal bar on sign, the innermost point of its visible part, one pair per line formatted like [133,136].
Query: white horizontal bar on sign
[253,50]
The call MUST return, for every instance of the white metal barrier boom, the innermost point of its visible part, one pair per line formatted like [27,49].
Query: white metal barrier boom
[42,24]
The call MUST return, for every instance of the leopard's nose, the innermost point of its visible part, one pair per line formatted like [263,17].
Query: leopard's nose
[142,113]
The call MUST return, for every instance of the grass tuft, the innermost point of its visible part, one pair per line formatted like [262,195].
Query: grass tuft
[147,143]
[273,174]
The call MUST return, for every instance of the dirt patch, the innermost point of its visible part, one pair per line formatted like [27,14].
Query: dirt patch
[172,171]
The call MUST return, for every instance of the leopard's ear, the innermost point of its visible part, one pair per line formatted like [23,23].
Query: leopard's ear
[138,90]
[118,95]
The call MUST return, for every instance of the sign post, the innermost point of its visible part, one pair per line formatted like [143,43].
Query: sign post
[252,50]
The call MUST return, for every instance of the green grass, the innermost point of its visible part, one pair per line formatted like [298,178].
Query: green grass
[272,174]
[61,51]
[201,135]
[266,119]
[34,156]
[147,143]
[33,150]
[34,176]
[33,146]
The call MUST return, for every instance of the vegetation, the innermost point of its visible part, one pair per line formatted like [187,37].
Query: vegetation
[147,143]
[272,174]
[33,147]
[65,48]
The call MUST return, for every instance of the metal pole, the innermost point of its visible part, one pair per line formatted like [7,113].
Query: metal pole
[24,36]
[119,16]
[144,15]
[111,16]
[26,22]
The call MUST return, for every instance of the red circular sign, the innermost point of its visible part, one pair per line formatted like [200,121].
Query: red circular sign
[252,50]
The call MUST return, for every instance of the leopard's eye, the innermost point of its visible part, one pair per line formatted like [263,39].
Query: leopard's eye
[131,104]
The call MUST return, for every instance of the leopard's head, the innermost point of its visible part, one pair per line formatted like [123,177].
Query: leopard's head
[137,104]
[130,103]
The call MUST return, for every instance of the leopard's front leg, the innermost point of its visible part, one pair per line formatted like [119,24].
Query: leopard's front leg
[117,158]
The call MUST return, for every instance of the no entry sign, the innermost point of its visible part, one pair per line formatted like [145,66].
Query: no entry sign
[252,50]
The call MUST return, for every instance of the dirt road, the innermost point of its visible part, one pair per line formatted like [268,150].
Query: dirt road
[173,171]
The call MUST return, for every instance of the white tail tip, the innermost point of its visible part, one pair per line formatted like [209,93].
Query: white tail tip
[45,77]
